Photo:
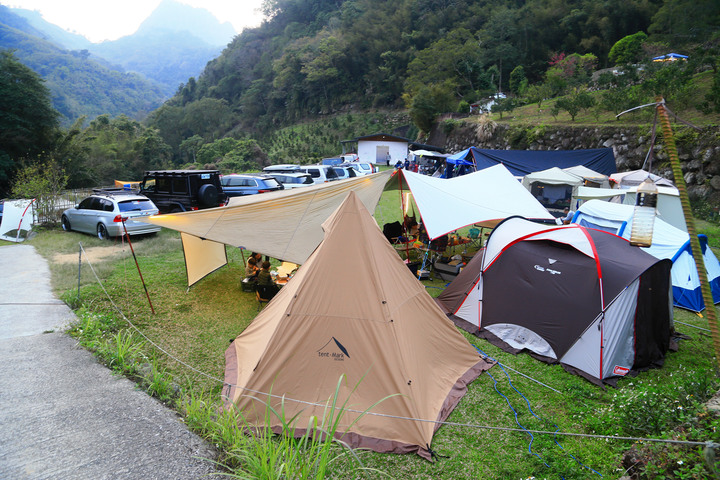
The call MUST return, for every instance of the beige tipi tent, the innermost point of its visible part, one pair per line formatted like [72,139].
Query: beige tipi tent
[354,309]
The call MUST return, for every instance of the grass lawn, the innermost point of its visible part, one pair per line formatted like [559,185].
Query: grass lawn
[196,325]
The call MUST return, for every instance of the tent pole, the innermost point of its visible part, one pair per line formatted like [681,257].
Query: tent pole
[402,211]
[79,269]
[710,311]
[138,267]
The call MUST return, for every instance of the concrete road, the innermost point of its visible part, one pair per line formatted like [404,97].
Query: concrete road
[62,414]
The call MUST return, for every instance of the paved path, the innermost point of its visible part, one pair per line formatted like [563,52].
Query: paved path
[62,414]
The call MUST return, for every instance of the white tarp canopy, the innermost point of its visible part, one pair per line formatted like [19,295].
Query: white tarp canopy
[636,177]
[483,197]
[285,224]
[17,218]
[589,175]
[552,176]
[427,153]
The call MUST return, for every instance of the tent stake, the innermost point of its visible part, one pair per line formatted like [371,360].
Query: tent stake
[138,267]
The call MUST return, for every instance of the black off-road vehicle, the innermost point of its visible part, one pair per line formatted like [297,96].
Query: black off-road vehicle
[182,190]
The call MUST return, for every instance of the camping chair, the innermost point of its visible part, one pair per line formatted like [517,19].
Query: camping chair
[265,293]
[475,237]
[393,231]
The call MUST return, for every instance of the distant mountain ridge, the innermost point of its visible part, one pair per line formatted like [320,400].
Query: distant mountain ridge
[173,44]
[78,84]
[171,16]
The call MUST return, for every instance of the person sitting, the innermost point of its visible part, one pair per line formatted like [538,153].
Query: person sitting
[567,216]
[251,270]
[264,276]
[265,279]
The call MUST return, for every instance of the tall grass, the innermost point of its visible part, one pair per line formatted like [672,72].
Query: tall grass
[255,451]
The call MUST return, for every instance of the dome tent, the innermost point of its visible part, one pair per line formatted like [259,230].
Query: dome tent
[590,301]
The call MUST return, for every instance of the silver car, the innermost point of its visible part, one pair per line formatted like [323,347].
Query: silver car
[103,214]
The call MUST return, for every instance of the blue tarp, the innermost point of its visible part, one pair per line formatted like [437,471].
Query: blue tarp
[522,162]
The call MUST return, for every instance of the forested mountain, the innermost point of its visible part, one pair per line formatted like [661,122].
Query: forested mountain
[314,57]
[78,84]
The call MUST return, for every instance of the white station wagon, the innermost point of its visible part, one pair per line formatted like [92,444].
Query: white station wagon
[103,213]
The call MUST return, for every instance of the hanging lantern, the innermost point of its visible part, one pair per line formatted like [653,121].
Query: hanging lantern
[644,215]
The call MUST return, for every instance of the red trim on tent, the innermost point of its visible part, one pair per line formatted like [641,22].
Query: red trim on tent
[525,237]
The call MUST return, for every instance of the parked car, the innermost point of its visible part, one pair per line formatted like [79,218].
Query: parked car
[293,180]
[362,168]
[249,184]
[319,173]
[183,190]
[345,172]
[103,213]
[282,168]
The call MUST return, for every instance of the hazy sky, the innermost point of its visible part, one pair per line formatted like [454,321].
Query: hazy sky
[100,20]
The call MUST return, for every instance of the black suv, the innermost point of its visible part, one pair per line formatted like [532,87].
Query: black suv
[182,190]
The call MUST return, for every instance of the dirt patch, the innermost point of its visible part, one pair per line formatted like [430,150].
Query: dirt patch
[94,254]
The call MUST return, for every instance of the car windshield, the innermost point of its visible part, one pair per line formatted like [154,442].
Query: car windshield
[135,205]
[272,183]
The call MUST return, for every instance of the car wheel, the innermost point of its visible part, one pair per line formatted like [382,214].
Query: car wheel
[208,195]
[102,232]
[65,223]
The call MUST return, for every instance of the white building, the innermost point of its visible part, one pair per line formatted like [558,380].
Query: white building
[385,149]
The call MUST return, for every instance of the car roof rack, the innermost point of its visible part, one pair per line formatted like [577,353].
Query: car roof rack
[111,191]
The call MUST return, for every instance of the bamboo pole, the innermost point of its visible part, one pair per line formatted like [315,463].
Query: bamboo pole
[710,312]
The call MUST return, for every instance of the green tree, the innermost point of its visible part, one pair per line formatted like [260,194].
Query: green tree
[42,180]
[190,147]
[28,123]
[429,102]
[215,151]
[503,105]
[538,93]
[628,49]
[577,101]
[245,156]
[518,81]
[453,59]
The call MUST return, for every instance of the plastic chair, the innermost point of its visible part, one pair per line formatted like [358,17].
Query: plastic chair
[265,293]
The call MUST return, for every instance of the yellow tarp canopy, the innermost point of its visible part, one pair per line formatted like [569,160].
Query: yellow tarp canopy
[285,224]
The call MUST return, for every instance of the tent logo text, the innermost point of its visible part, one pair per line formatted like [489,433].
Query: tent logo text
[549,270]
[333,350]
[618,370]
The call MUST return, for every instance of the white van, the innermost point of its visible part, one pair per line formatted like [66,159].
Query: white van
[319,173]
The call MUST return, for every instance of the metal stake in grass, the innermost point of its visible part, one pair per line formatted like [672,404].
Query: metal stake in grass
[138,266]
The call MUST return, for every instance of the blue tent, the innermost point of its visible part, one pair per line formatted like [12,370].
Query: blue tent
[670,57]
[522,162]
[667,242]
